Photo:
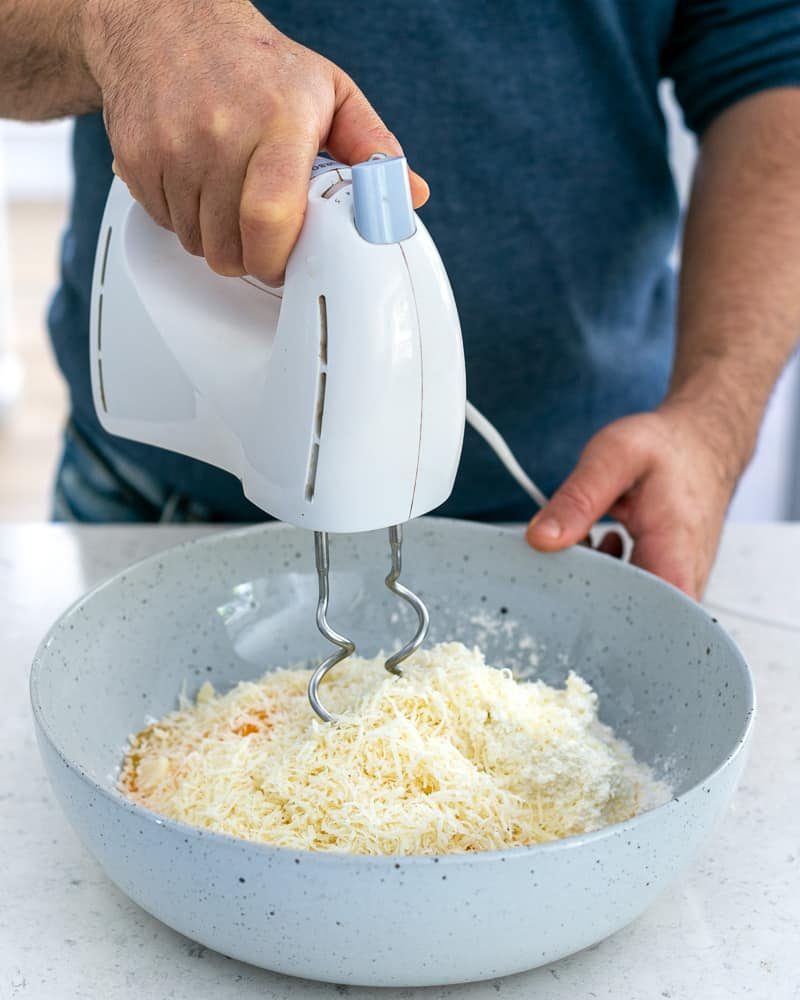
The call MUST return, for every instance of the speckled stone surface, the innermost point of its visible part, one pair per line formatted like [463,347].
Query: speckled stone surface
[729,929]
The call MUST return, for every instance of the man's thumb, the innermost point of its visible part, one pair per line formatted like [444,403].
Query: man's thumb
[603,473]
[357,132]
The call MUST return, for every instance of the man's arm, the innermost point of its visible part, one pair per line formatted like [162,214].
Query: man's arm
[214,116]
[43,73]
[668,476]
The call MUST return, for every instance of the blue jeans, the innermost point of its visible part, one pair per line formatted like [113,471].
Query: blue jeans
[94,484]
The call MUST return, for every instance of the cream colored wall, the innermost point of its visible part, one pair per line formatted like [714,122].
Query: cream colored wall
[30,432]
[10,369]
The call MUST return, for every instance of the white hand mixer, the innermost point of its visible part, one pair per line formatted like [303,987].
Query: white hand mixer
[338,400]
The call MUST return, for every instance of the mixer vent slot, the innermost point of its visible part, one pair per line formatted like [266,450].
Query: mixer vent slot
[102,387]
[311,479]
[319,406]
[100,320]
[105,257]
[323,331]
[100,323]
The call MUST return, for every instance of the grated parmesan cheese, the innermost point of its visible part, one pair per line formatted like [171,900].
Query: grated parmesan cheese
[452,756]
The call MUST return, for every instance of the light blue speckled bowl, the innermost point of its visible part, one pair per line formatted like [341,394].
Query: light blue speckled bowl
[671,681]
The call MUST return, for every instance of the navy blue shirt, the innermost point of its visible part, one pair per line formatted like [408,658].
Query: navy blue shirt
[539,129]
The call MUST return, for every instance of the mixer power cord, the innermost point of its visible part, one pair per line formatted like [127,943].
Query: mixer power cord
[492,436]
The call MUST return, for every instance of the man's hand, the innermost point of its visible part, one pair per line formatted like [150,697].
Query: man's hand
[215,118]
[666,476]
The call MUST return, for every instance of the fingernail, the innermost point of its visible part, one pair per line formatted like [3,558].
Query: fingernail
[548,527]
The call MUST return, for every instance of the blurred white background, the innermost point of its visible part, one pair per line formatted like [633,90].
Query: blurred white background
[34,188]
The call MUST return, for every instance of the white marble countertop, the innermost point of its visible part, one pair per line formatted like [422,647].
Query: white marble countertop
[730,928]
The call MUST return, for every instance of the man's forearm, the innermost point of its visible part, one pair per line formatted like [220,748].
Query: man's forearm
[42,69]
[739,311]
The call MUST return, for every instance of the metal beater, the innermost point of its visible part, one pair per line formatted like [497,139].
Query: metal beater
[347,646]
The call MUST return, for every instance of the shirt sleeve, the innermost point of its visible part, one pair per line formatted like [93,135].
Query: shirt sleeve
[720,51]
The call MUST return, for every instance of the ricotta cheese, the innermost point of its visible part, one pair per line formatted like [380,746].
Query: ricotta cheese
[452,756]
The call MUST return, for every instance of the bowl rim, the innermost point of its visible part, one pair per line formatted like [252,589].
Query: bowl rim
[211,539]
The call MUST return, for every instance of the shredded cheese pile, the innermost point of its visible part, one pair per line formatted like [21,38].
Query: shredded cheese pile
[452,756]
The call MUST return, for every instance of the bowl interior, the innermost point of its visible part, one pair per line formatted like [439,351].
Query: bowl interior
[230,606]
